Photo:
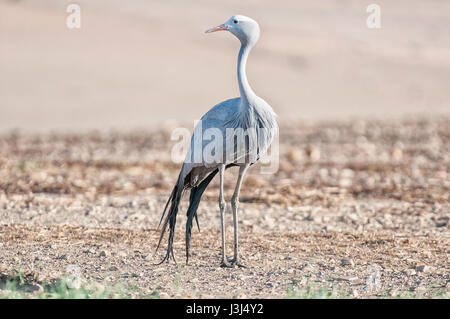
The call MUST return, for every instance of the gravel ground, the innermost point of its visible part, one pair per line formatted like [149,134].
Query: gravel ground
[361,207]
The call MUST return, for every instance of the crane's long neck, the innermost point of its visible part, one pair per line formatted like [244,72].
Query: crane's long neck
[247,93]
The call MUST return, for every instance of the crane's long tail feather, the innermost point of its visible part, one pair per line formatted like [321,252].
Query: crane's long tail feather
[170,220]
[194,201]
[171,208]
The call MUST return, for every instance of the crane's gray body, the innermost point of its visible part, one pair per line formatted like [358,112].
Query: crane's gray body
[226,118]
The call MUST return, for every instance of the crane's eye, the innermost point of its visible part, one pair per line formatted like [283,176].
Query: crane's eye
[235,21]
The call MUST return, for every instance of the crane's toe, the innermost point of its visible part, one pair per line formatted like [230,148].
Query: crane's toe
[235,263]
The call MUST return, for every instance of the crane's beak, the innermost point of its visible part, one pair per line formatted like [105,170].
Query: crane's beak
[221,27]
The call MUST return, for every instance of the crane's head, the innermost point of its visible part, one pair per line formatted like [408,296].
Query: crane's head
[244,28]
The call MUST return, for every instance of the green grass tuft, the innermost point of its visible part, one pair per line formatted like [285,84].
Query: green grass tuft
[15,289]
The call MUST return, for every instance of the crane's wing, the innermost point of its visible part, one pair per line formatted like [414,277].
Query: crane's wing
[228,135]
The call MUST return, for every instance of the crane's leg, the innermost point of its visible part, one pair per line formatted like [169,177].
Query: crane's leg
[222,206]
[235,204]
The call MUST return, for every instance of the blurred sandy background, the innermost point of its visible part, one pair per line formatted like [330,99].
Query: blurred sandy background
[144,63]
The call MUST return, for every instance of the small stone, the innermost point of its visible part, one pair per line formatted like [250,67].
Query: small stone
[345,182]
[317,219]
[315,154]
[394,293]
[98,286]
[345,262]
[421,268]
[36,288]
[104,253]
[409,272]
[411,261]
[348,278]
[441,223]
[295,155]
[122,254]
[424,268]
[397,154]
[73,282]
[353,279]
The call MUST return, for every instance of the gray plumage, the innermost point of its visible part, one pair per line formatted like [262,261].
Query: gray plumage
[249,114]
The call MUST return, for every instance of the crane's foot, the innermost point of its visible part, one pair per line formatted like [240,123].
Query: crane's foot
[235,263]
[224,264]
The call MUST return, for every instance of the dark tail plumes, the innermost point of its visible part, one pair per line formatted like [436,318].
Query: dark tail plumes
[194,200]
[171,218]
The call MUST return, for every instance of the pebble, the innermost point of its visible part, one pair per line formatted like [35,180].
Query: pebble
[409,272]
[99,286]
[424,268]
[441,223]
[73,283]
[315,154]
[394,293]
[345,262]
[295,155]
[35,288]
[122,254]
[345,182]
[104,253]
